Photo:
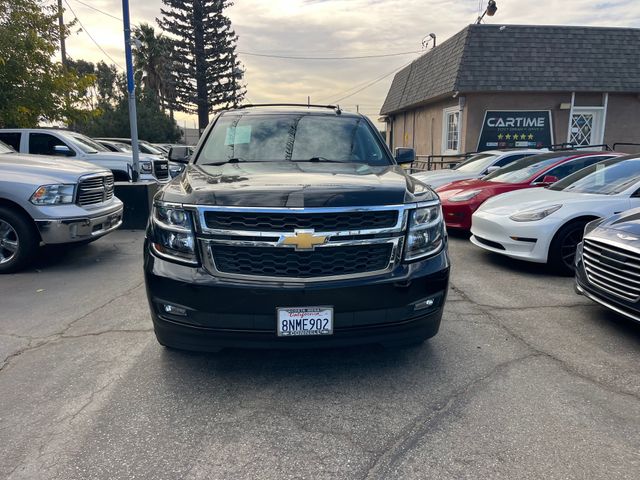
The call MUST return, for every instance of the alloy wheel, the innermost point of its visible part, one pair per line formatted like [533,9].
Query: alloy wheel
[569,246]
[8,242]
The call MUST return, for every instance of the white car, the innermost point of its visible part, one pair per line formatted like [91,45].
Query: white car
[474,167]
[63,143]
[546,225]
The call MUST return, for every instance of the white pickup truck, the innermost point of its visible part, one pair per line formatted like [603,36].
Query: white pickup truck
[48,200]
[63,143]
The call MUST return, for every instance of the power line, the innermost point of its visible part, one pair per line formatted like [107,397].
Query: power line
[371,83]
[290,57]
[84,29]
[97,10]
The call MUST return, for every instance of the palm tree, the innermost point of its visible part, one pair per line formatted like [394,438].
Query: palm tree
[152,54]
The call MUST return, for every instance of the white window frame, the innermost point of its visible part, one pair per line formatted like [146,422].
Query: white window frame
[445,129]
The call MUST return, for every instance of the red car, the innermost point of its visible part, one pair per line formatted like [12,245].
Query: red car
[462,198]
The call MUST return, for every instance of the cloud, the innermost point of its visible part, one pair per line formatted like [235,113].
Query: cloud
[342,28]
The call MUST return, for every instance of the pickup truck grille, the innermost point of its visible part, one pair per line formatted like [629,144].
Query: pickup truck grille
[288,263]
[282,222]
[612,269]
[95,189]
[161,169]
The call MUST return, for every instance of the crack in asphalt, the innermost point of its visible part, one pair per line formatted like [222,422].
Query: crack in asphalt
[410,436]
[36,343]
[564,365]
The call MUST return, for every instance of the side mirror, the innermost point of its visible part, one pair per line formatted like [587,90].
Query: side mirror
[405,155]
[63,151]
[549,179]
[180,154]
[493,168]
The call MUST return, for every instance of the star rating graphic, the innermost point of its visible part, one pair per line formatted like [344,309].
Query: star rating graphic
[508,136]
[516,136]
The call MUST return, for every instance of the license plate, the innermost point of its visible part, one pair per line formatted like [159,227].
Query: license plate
[300,321]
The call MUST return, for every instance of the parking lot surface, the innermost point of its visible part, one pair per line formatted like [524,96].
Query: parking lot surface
[525,380]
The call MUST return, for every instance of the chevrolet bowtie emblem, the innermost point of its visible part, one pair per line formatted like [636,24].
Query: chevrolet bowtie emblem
[303,239]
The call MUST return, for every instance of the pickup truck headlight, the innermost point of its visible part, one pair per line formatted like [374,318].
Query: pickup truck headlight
[173,235]
[426,232]
[146,167]
[53,195]
[534,215]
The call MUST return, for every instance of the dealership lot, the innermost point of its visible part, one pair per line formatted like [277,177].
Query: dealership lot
[525,380]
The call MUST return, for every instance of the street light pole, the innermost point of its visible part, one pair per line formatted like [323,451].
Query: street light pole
[131,89]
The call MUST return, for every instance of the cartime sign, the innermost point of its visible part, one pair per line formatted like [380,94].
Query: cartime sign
[515,129]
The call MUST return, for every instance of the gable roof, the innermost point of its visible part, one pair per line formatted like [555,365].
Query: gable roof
[521,58]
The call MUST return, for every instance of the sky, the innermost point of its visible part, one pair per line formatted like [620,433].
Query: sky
[336,28]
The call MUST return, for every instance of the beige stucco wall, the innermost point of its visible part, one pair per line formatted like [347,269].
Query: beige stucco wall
[421,128]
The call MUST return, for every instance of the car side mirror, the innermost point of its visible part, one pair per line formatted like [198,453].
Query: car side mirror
[405,155]
[549,179]
[63,151]
[180,154]
[493,168]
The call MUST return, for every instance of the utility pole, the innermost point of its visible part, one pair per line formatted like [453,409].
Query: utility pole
[131,89]
[63,47]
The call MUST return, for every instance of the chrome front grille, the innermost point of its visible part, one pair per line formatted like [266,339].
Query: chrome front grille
[613,269]
[272,243]
[95,189]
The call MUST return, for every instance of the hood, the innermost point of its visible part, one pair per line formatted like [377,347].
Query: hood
[295,184]
[436,179]
[622,228]
[52,169]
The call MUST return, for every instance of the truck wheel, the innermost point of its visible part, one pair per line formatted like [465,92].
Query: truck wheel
[19,241]
[562,251]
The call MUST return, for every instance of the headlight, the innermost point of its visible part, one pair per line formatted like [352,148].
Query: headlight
[146,167]
[534,215]
[53,195]
[173,235]
[463,197]
[426,233]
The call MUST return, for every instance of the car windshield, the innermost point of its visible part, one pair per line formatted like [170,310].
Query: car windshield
[148,148]
[85,143]
[604,178]
[476,164]
[521,170]
[4,148]
[122,147]
[292,137]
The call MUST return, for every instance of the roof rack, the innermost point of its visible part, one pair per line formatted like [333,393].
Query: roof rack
[572,146]
[303,105]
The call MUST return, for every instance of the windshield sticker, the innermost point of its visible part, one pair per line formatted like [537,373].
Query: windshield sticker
[238,135]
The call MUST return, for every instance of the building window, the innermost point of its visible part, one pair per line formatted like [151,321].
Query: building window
[451,130]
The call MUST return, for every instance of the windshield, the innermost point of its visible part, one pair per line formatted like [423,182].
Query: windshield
[292,137]
[122,147]
[4,148]
[85,143]
[476,164]
[524,169]
[148,148]
[603,178]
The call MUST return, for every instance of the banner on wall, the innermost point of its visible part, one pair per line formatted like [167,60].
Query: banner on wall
[515,129]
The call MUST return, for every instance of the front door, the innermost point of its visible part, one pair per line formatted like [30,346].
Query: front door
[587,126]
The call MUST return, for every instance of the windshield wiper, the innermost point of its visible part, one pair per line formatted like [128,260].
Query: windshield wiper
[319,159]
[230,160]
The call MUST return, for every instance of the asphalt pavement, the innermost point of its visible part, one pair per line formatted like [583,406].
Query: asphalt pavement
[526,380]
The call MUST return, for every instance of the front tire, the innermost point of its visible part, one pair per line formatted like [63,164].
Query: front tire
[562,252]
[19,240]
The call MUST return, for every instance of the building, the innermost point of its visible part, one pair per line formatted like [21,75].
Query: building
[493,86]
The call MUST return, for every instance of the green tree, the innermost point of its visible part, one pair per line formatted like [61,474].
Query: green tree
[33,87]
[205,68]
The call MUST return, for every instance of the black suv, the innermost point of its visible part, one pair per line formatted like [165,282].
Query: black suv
[295,227]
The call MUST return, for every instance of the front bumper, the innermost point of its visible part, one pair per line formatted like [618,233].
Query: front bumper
[458,215]
[77,228]
[221,313]
[527,241]
[584,287]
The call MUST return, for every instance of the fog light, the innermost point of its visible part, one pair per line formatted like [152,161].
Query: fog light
[173,310]
[429,302]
